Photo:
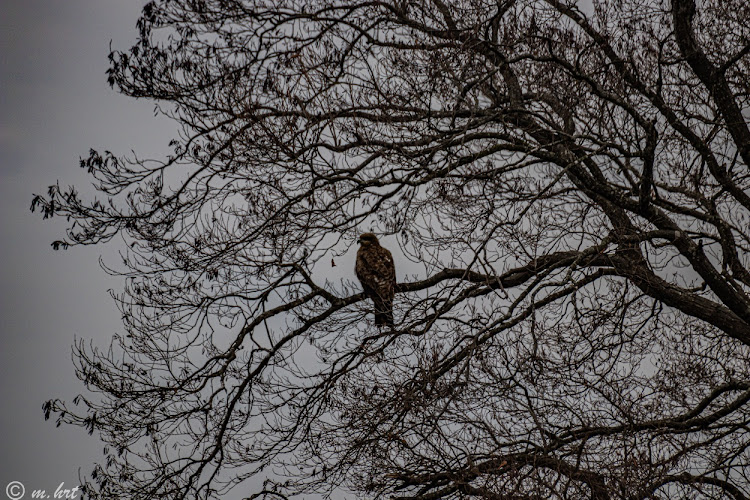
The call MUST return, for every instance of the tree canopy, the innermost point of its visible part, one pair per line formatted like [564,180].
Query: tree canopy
[567,185]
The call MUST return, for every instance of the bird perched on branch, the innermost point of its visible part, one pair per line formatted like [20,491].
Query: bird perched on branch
[377,273]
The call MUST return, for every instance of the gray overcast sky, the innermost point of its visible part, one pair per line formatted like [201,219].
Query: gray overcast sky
[55,104]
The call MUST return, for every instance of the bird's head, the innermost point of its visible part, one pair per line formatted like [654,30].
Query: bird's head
[368,239]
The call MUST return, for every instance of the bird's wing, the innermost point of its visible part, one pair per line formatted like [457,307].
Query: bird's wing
[385,272]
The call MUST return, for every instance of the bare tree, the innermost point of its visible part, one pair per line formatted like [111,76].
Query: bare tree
[574,182]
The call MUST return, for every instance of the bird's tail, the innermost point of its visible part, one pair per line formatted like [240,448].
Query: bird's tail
[384,313]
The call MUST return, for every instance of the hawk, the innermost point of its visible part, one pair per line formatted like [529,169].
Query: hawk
[377,274]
